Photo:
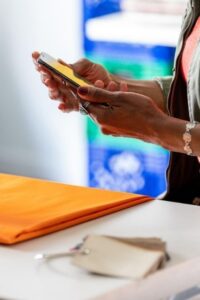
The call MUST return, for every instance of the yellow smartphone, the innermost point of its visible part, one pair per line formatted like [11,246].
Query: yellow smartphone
[63,72]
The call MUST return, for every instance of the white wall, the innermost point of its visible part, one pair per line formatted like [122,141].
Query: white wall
[35,138]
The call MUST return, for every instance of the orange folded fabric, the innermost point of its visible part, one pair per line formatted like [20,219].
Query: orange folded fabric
[31,207]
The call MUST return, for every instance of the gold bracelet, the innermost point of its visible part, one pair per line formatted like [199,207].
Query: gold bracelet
[187,137]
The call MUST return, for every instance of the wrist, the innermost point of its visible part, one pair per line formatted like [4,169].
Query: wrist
[170,132]
[160,125]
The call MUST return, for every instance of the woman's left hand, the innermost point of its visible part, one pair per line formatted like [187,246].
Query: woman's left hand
[123,113]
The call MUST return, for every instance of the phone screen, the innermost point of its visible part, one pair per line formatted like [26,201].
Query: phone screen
[65,72]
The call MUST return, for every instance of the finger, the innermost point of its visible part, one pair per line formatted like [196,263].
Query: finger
[81,66]
[105,131]
[42,69]
[45,77]
[70,99]
[62,62]
[63,107]
[68,92]
[99,84]
[35,55]
[51,84]
[97,95]
[123,86]
[54,95]
[68,86]
[112,86]
[70,104]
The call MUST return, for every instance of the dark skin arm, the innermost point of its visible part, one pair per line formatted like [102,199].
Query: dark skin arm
[137,116]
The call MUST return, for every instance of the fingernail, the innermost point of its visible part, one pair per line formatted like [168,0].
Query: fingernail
[83,91]
[46,81]
[45,77]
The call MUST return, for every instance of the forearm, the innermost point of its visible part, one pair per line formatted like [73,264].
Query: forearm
[168,133]
[148,88]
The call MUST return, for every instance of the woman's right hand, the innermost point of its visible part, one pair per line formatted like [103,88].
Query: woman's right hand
[67,97]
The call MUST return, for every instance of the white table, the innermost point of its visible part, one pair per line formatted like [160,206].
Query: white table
[23,278]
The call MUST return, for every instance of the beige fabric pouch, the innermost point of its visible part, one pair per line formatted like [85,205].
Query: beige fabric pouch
[121,257]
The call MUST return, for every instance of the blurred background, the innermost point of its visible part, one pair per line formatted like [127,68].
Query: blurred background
[132,38]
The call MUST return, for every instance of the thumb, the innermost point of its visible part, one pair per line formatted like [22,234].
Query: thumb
[62,62]
[95,94]
[82,66]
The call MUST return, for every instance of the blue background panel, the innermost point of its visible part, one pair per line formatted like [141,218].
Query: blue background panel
[127,170]
[97,8]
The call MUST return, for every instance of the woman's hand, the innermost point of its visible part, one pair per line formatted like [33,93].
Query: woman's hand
[67,97]
[125,114]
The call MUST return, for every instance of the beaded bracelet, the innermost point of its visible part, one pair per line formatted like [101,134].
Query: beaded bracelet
[187,137]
